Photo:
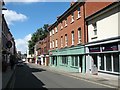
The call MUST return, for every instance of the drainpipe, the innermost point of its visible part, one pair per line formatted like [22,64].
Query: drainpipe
[84,69]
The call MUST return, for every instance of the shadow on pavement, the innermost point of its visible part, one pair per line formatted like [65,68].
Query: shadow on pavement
[25,78]
[37,69]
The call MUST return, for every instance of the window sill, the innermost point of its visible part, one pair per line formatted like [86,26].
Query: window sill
[72,45]
[61,28]
[72,22]
[78,17]
[65,25]
[79,43]
[94,37]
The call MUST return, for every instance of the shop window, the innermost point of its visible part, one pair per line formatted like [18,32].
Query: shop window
[116,62]
[102,62]
[72,61]
[108,62]
[64,60]
[76,60]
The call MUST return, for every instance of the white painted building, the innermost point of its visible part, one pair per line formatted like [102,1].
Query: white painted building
[103,48]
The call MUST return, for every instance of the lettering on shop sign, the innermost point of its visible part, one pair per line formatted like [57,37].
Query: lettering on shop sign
[110,47]
[94,49]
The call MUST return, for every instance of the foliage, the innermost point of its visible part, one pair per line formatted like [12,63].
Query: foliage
[40,34]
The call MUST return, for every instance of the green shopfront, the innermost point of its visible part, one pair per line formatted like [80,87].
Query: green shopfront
[71,59]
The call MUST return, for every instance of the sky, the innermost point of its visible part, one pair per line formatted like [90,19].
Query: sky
[24,18]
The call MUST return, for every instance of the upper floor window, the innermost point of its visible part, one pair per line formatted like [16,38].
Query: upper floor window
[53,43]
[50,33]
[65,22]
[72,17]
[66,40]
[61,25]
[61,41]
[79,35]
[95,28]
[53,31]
[78,12]
[56,29]
[56,43]
[72,37]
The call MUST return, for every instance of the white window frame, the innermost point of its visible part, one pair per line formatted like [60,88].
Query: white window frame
[73,41]
[65,22]
[61,41]
[66,40]
[53,32]
[79,13]
[61,26]
[79,35]
[72,17]
[56,29]
[50,33]
[56,43]
[53,43]
[95,29]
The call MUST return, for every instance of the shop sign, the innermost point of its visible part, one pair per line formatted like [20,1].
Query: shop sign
[9,44]
[109,47]
[94,49]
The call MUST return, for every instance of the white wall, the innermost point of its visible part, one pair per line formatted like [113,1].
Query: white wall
[106,28]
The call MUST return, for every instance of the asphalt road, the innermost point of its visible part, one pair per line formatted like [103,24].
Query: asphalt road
[28,76]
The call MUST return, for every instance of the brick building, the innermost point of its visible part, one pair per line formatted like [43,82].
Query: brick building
[41,51]
[8,43]
[68,36]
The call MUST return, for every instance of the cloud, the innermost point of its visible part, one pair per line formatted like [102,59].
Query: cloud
[25,1]
[12,16]
[22,43]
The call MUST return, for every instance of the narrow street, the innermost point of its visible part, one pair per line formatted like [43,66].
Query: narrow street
[28,76]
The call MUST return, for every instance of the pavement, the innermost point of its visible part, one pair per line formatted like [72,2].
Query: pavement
[8,77]
[106,80]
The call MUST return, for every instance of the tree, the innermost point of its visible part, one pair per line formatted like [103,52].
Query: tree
[40,34]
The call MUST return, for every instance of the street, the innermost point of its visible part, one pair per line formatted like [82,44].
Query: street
[28,76]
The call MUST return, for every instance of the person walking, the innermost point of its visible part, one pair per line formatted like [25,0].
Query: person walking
[12,63]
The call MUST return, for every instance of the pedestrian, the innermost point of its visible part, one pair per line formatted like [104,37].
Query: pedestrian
[12,63]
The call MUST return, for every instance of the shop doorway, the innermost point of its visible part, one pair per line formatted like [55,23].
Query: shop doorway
[80,64]
[94,57]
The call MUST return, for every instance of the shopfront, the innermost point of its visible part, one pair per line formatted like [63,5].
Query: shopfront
[105,57]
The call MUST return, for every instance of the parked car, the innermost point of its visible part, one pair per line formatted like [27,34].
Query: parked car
[20,63]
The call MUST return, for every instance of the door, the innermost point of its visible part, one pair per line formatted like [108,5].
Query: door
[80,63]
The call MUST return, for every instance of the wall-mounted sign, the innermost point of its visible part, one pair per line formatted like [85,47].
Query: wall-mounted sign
[94,49]
[110,47]
[9,44]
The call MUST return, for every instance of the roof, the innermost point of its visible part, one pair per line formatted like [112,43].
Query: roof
[67,12]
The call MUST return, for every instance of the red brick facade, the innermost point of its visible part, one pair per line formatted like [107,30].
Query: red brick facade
[86,9]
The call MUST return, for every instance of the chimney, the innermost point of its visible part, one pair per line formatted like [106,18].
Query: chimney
[72,2]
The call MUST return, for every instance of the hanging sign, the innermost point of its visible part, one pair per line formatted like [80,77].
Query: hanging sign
[9,44]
